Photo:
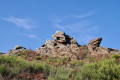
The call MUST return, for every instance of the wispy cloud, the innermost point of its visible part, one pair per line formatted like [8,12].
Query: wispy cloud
[79,15]
[32,36]
[83,15]
[84,31]
[21,22]
[81,29]
[60,19]
[60,26]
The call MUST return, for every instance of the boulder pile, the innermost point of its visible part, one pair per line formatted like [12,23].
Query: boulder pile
[63,45]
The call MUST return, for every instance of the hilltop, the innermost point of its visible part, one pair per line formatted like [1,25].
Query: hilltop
[61,59]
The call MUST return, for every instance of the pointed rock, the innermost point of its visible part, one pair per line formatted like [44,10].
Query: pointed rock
[95,48]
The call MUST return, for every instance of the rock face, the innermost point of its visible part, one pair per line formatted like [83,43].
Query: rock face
[94,48]
[17,49]
[63,45]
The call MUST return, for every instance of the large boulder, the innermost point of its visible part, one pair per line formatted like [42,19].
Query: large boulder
[94,43]
[59,36]
[62,45]
[18,47]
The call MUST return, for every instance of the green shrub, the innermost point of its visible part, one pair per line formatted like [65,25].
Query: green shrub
[21,63]
[22,53]
[103,70]
[13,71]
[76,63]
[15,65]
[116,56]
[58,73]
[38,58]
[91,58]
[64,58]
[2,59]
[106,69]
[39,67]
[78,76]
[3,70]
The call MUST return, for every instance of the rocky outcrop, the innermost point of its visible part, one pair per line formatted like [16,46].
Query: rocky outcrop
[16,50]
[94,48]
[19,48]
[63,45]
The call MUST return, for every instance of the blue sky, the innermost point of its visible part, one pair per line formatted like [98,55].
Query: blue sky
[30,23]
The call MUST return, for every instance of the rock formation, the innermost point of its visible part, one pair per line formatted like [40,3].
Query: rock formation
[63,45]
[17,49]
[94,48]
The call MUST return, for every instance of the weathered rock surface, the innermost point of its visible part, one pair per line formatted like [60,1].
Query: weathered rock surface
[59,37]
[63,45]
[19,47]
[94,48]
[16,50]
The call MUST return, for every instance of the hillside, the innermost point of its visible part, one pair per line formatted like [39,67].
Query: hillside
[61,59]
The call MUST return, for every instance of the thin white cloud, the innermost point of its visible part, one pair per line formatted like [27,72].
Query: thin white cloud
[81,29]
[68,17]
[78,16]
[60,26]
[21,22]
[32,36]
[83,15]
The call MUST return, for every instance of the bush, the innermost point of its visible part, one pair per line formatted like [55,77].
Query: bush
[22,53]
[22,64]
[58,73]
[91,58]
[38,67]
[38,58]
[13,65]
[103,70]
[106,69]
[116,56]
[76,63]
[3,70]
